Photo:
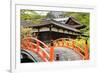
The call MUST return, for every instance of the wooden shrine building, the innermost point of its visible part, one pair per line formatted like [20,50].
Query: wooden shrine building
[52,29]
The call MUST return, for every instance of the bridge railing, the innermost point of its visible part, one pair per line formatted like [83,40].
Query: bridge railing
[82,50]
[41,48]
[36,46]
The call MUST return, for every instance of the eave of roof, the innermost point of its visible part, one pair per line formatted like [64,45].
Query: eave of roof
[78,26]
[63,26]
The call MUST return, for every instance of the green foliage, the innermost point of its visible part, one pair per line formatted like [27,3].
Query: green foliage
[80,16]
[32,16]
[25,32]
[81,43]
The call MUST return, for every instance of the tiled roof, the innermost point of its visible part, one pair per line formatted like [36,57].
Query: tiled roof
[56,22]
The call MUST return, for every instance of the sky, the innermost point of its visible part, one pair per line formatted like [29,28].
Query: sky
[42,12]
[39,12]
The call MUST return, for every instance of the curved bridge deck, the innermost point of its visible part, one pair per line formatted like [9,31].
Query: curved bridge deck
[65,52]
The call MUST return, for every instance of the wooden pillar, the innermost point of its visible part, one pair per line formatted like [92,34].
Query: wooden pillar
[58,32]
[50,28]
[63,41]
[52,46]
[37,33]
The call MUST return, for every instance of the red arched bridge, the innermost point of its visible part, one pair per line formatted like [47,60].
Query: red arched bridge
[62,49]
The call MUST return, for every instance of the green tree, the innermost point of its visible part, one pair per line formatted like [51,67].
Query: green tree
[31,15]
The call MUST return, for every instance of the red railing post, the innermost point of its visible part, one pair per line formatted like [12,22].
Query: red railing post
[86,51]
[32,46]
[62,42]
[73,44]
[44,55]
[38,44]
[67,44]
[51,53]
